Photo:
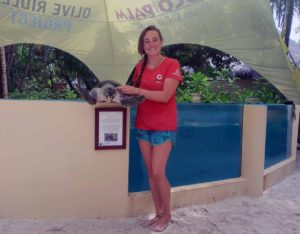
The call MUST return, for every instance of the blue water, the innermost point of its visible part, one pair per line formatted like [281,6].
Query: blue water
[208,148]
[279,134]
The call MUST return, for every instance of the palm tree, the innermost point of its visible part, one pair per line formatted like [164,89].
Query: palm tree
[287,21]
[284,10]
[3,77]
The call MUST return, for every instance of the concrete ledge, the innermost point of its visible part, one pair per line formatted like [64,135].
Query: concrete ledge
[278,172]
[141,202]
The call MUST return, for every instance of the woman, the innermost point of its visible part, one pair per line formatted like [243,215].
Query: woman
[156,78]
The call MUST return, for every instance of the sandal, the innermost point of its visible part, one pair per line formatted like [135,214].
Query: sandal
[158,228]
[149,222]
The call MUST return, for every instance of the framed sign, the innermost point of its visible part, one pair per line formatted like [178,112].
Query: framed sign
[110,128]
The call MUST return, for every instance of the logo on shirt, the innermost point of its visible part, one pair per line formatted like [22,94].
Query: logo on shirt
[176,72]
[159,77]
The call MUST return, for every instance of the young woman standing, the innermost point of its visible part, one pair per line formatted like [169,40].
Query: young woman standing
[156,78]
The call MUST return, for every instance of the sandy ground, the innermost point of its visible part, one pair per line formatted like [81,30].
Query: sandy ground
[276,212]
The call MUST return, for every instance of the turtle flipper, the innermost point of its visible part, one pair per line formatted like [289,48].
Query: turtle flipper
[131,100]
[86,95]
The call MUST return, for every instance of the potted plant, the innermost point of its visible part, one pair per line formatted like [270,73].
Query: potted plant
[199,83]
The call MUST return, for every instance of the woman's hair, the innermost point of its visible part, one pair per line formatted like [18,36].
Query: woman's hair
[142,51]
[142,35]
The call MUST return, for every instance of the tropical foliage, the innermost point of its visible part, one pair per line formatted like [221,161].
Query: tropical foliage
[38,90]
[35,72]
[42,72]
[201,58]
[222,88]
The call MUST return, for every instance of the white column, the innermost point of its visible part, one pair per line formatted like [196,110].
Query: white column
[253,148]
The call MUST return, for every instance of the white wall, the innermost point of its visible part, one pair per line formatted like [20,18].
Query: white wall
[49,168]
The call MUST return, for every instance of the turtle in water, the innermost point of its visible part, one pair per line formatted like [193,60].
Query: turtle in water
[105,91]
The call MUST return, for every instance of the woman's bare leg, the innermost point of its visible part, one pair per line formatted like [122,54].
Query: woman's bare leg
[146,150]
[160,155]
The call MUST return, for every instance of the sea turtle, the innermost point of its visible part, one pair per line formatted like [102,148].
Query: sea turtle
[105,91]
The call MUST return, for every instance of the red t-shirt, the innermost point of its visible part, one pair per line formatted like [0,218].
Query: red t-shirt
[152,115]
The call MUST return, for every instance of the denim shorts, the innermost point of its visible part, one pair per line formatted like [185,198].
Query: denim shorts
[156,137]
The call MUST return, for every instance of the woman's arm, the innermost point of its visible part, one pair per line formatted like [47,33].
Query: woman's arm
[164,95]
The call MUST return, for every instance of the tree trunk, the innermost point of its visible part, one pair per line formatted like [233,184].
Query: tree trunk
[3,77]
[287,21]
[26,75]
[10,52]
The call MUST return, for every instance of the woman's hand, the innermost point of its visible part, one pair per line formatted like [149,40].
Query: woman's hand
[127,89]
[164,95]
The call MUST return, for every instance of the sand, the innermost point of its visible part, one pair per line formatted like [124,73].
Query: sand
[276,212]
